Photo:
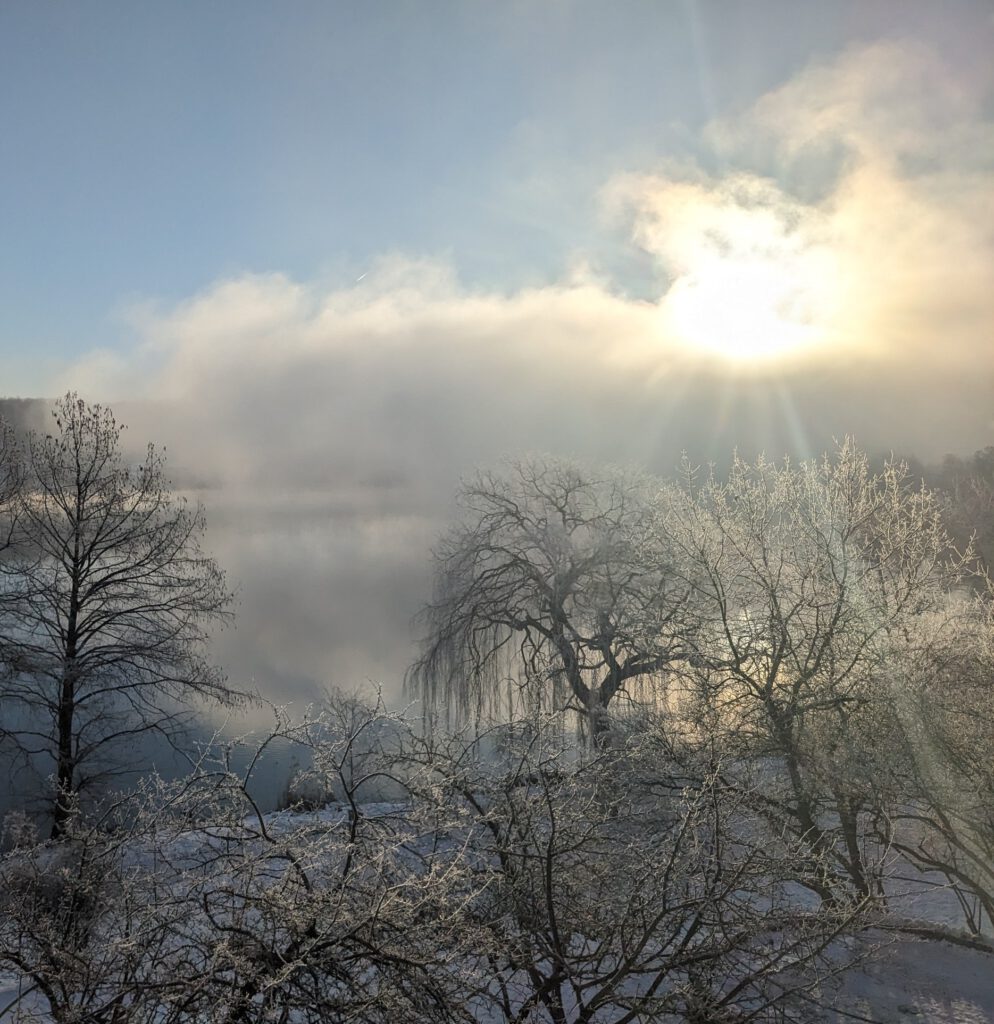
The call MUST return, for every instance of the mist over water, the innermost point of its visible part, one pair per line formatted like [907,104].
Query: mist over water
[324,513]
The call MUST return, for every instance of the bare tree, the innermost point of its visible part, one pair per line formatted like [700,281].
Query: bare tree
[787,606]
[11,472]
[108,603]
[946,824]
[517,889]
[627,885]
[811,584]
[544,596]
[184,903]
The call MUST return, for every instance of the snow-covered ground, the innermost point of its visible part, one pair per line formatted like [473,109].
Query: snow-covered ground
[900,979]
[904,981]
[916,981]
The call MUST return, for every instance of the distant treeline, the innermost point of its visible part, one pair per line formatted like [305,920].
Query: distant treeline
[24,414]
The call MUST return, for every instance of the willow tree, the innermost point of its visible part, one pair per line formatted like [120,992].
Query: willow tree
[544,596]
[108,603]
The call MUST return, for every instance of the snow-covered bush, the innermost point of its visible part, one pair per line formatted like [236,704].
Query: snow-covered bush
[551,884]
[628,885]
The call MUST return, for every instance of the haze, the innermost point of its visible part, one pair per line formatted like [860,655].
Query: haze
[335,256]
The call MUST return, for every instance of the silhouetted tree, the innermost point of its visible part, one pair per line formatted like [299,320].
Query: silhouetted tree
[108,599]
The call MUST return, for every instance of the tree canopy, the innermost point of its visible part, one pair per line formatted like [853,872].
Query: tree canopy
[547,595]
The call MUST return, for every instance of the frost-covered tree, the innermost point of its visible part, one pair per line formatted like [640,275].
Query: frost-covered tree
[184,904]
[810,584]
[946,708]
[108,601]
[520,890]
[544,597]
[628,885]
[968,488]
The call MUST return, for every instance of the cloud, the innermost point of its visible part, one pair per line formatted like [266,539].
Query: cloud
[891,102]
[891,259]
[846,214]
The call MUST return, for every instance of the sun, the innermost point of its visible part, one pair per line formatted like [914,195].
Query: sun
[745,310]
[754,274]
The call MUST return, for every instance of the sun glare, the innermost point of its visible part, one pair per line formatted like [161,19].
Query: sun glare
[744,310]
[754,272]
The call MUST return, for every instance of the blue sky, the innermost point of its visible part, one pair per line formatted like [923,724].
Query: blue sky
[148,150]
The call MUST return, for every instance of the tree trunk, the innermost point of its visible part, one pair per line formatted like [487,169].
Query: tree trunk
[65,763]
[65,769]
[849,820]
[600,723]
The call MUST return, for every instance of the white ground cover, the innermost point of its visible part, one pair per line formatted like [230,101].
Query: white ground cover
[902,978]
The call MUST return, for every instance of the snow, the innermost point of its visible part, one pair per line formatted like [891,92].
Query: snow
[905,981]
[900,979]
[922,981]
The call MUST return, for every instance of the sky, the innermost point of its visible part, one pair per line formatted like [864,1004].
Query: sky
[336,255]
